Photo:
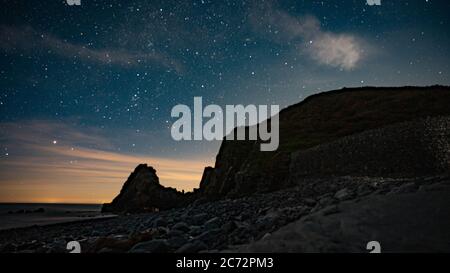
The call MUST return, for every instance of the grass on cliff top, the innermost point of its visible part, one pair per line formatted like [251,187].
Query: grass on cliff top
[328,116]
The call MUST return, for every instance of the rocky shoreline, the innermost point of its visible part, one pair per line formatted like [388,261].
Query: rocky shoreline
[224,225]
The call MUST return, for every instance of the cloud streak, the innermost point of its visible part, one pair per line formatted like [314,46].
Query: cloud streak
[26,38]
[341,50]
[37,170]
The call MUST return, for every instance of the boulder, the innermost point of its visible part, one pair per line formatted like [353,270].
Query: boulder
[192,247]
[153,246]
[181,226]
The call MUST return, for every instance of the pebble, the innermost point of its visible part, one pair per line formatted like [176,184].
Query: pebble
[153,246]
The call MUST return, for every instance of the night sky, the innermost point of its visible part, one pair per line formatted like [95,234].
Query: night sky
[86,91]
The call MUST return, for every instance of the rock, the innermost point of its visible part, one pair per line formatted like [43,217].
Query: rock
[192,247]
[181,226]
[294,212]
[142,192]
[149,221]
[209,236]
[325,195]
[212,223]
[29,245]
[326,201]
[177,242]
[175,233]
[109,250]
[108,243]
[163,230]
[199,219]
[267,221]
[95,233]
[118,242]
[195,230]
[153,246]
[330,210]
[405,188]
[160,222]
[26,251]
[343,194]
[229,226]
[123,236]
[434,187]
[8,248]
[309,202]
[364,189]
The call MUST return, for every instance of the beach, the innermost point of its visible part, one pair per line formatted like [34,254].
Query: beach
[19,215]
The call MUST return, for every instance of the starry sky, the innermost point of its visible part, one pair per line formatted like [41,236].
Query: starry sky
[86,91]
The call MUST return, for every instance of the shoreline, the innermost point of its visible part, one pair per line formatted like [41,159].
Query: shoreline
[60,223]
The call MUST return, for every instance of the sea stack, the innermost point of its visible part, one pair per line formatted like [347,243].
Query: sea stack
[142,192]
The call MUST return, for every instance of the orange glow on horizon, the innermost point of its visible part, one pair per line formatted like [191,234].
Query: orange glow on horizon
[88,180]
[45,172]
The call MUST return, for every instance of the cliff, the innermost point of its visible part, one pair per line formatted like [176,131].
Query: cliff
[315,140]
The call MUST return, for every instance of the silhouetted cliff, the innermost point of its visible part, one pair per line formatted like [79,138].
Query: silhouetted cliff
[242,169]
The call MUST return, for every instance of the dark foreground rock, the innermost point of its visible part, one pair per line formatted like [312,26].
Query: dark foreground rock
[411,222]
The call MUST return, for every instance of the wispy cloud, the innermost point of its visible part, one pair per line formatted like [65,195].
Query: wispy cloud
[26,38]
[339,50]
[80,167]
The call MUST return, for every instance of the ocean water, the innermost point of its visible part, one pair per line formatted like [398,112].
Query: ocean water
[24,215]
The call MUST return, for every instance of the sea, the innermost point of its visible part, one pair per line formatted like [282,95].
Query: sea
[18,215]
